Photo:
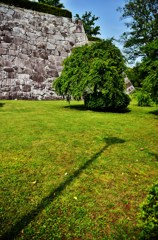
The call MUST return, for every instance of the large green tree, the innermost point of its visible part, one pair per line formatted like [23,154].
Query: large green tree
[149,66]
[55,3]
[88,21]
[94,72]
[141,19]
[142,40]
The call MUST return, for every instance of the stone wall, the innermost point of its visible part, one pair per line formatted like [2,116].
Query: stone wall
[129,86]
[32,48]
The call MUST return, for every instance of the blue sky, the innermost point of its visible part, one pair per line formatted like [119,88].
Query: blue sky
[109,19]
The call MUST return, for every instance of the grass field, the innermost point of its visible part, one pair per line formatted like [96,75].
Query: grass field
[67,173]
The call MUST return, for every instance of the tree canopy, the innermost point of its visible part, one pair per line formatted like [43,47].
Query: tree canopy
[141,18]
[94,72]
[142,40]
[149,66]
[88,21]
[55,3]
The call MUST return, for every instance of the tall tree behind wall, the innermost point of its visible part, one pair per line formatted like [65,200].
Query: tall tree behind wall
[88,21]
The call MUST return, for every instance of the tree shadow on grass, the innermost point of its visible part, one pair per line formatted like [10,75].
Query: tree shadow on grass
[2,104]
[81,107]
[26,219]
[155,112]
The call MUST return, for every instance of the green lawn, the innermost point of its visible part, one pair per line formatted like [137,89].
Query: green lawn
[67,173]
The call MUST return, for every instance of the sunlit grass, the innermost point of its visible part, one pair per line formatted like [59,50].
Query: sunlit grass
[67,173]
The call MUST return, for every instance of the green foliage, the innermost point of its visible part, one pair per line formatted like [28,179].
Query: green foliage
[142,40]
[39,7]
[147,73]
[93,39]
[149,215]
[150,67]
[136,75]
[94,69]
[116,101]
[55,3]
[94,101]
[144,99]
[89,23]
[142,23]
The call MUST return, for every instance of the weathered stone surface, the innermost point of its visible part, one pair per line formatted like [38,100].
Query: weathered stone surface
[7,39]
[50,46]
[26,88]
[129,87]
[32,48]
[3,51]
[8,69]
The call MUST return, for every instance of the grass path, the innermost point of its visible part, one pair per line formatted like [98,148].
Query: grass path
[67,173]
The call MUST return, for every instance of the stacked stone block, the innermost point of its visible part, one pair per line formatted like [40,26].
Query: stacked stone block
[33,46]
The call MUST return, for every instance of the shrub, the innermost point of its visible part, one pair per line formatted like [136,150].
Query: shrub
[115,102]
[144,99]
[95,71]
[149,215]
[39,7]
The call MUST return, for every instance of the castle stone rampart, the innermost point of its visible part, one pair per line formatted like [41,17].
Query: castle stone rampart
[33,46]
